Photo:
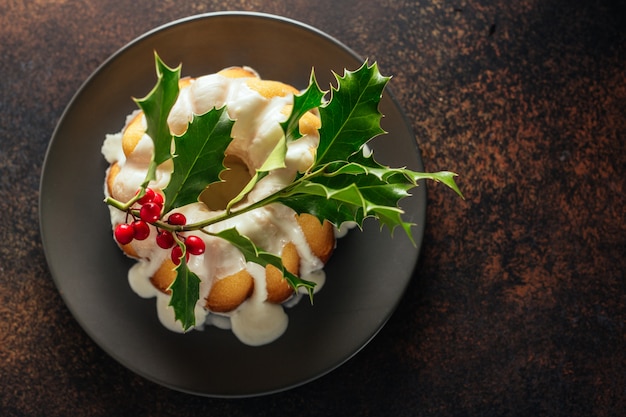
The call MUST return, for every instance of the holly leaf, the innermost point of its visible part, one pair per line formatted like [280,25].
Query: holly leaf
[252,253]
[199,158]
[351,117]
[185,293]
[355,187]
[309,99]
[341,197]
[359,163]
[156,107]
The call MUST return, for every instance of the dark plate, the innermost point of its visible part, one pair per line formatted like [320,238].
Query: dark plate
[366,277]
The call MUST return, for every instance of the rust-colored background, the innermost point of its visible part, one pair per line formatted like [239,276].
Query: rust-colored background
[518,304]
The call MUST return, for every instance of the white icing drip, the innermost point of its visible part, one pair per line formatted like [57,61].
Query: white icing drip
[289,231]
[181,113]
[257,322]
[207,92]
[112,148]
[219,321]
[344,228]
[139,278]
[299,154]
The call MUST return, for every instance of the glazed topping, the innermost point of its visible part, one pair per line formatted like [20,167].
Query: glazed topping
[255,132]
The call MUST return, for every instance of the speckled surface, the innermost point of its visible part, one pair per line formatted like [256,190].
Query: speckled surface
[518,304]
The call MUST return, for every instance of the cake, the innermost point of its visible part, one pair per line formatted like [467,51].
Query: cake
[244,296]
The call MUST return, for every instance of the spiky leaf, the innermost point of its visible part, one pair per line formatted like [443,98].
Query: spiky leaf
[199,158]
[185,293]
[358,163]
[347,197]
[156,107]
[351,117]
[308,100]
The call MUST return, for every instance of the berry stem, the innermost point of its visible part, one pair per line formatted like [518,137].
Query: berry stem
[150,175]
[274,197]
[125,206]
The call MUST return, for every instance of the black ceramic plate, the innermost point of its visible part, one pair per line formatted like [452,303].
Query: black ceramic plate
[366,276]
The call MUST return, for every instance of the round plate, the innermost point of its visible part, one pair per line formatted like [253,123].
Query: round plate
[366,276]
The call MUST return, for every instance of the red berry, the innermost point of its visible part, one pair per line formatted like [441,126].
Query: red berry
[142,230]
[165,239]
[158,199]
[150,212]
[124,233]
[177,253]
[147,197]
[195,245]
[177,219]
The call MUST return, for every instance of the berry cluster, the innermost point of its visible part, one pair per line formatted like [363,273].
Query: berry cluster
[165,239]
[150,208]
[151,204]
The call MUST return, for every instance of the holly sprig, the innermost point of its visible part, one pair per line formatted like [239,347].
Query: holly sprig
[344,183]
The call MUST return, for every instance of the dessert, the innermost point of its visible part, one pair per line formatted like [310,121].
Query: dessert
[227,283]
[230,191]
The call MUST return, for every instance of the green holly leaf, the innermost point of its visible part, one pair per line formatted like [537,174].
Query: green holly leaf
[309,99]
[351,191]
[156,107]
[252,253]
[341,197]
[185,293]
[359,163]
[199,158]
[351,117]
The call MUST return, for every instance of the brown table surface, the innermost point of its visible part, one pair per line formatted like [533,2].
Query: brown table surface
[518,303]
